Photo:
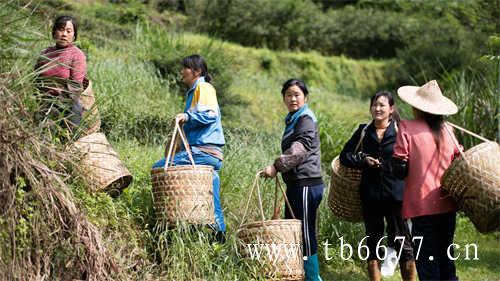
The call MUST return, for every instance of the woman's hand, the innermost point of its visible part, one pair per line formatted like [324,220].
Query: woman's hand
[181,118]
[269,172]
[372,162]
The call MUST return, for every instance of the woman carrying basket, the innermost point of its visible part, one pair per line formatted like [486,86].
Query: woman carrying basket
[425,148]
[203,128]
[62,70]
[370,149]
[300,166]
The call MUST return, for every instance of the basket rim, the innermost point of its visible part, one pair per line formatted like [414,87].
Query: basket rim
[91,136]
[181,168]
[267,222]
[125,178]
[335,171]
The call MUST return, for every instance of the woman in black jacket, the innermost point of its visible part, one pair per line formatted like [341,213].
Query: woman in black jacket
[370,149]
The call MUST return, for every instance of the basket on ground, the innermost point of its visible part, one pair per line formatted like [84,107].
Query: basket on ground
[183,193]
[100,166]
[279,241]
[474,182]
[344,200]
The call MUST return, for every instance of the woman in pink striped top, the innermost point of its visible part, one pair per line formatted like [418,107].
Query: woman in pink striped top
[62,71]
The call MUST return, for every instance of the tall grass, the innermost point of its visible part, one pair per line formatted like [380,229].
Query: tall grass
[136,83]
[133,101]
[476,93]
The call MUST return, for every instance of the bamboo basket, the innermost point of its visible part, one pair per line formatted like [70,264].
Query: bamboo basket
[474,182]
[344,199]
[183,193]
[282,235]
[100,166]
[91,122]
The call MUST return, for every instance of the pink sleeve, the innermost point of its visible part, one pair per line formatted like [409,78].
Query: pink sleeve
[402,146]
[79,67]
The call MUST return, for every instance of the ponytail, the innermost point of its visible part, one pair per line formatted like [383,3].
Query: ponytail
[435,122]
[208,77]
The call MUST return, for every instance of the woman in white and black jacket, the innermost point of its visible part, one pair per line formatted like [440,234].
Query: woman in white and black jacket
[300,166]
[370,149]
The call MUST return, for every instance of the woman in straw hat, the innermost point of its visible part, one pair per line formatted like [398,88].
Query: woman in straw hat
[425,148]
[370,149]
[300,166]
[203,128]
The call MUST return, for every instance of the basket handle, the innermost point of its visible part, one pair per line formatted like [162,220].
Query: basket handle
[455,142]
[468,132]
[256,186]
[173,141]
[465,131]
[360,142]
[277,207]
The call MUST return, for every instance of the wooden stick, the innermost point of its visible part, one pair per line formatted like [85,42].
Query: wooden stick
[468,132]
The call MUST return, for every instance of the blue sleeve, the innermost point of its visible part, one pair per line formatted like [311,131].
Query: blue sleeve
[202,118]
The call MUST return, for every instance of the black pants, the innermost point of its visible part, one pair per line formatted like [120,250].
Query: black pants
[437,232]
[305,202]
[374,213]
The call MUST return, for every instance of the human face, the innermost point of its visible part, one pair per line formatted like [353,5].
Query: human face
[381,110]
[294,98]
[189,76]
[65,35]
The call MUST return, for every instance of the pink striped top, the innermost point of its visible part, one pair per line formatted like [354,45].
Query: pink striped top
[66,63]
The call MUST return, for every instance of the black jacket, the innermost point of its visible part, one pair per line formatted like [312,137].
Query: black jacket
[306,171]
[376,183]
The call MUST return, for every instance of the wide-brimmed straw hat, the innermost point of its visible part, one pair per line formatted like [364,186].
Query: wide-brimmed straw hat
[428,98]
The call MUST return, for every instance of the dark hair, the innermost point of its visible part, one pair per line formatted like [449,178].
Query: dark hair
[395,114]
[61,21]
[435,122]
[294,82]
[196,62]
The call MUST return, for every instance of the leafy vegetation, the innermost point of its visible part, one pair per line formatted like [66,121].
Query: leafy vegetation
[133,52]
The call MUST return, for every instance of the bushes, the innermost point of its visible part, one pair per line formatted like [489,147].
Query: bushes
[435,46]
[430,38]
[273,24]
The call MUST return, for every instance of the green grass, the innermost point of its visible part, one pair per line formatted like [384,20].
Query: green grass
[134,78]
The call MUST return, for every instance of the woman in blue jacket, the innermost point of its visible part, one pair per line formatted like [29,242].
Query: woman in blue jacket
[203,128]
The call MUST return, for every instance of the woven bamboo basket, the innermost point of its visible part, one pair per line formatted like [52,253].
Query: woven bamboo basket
[474,182]
[100,166]
[183,193]
[344,199]
[91,122]
[281,238]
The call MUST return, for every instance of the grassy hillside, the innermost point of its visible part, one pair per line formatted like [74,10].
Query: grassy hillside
[133,64]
